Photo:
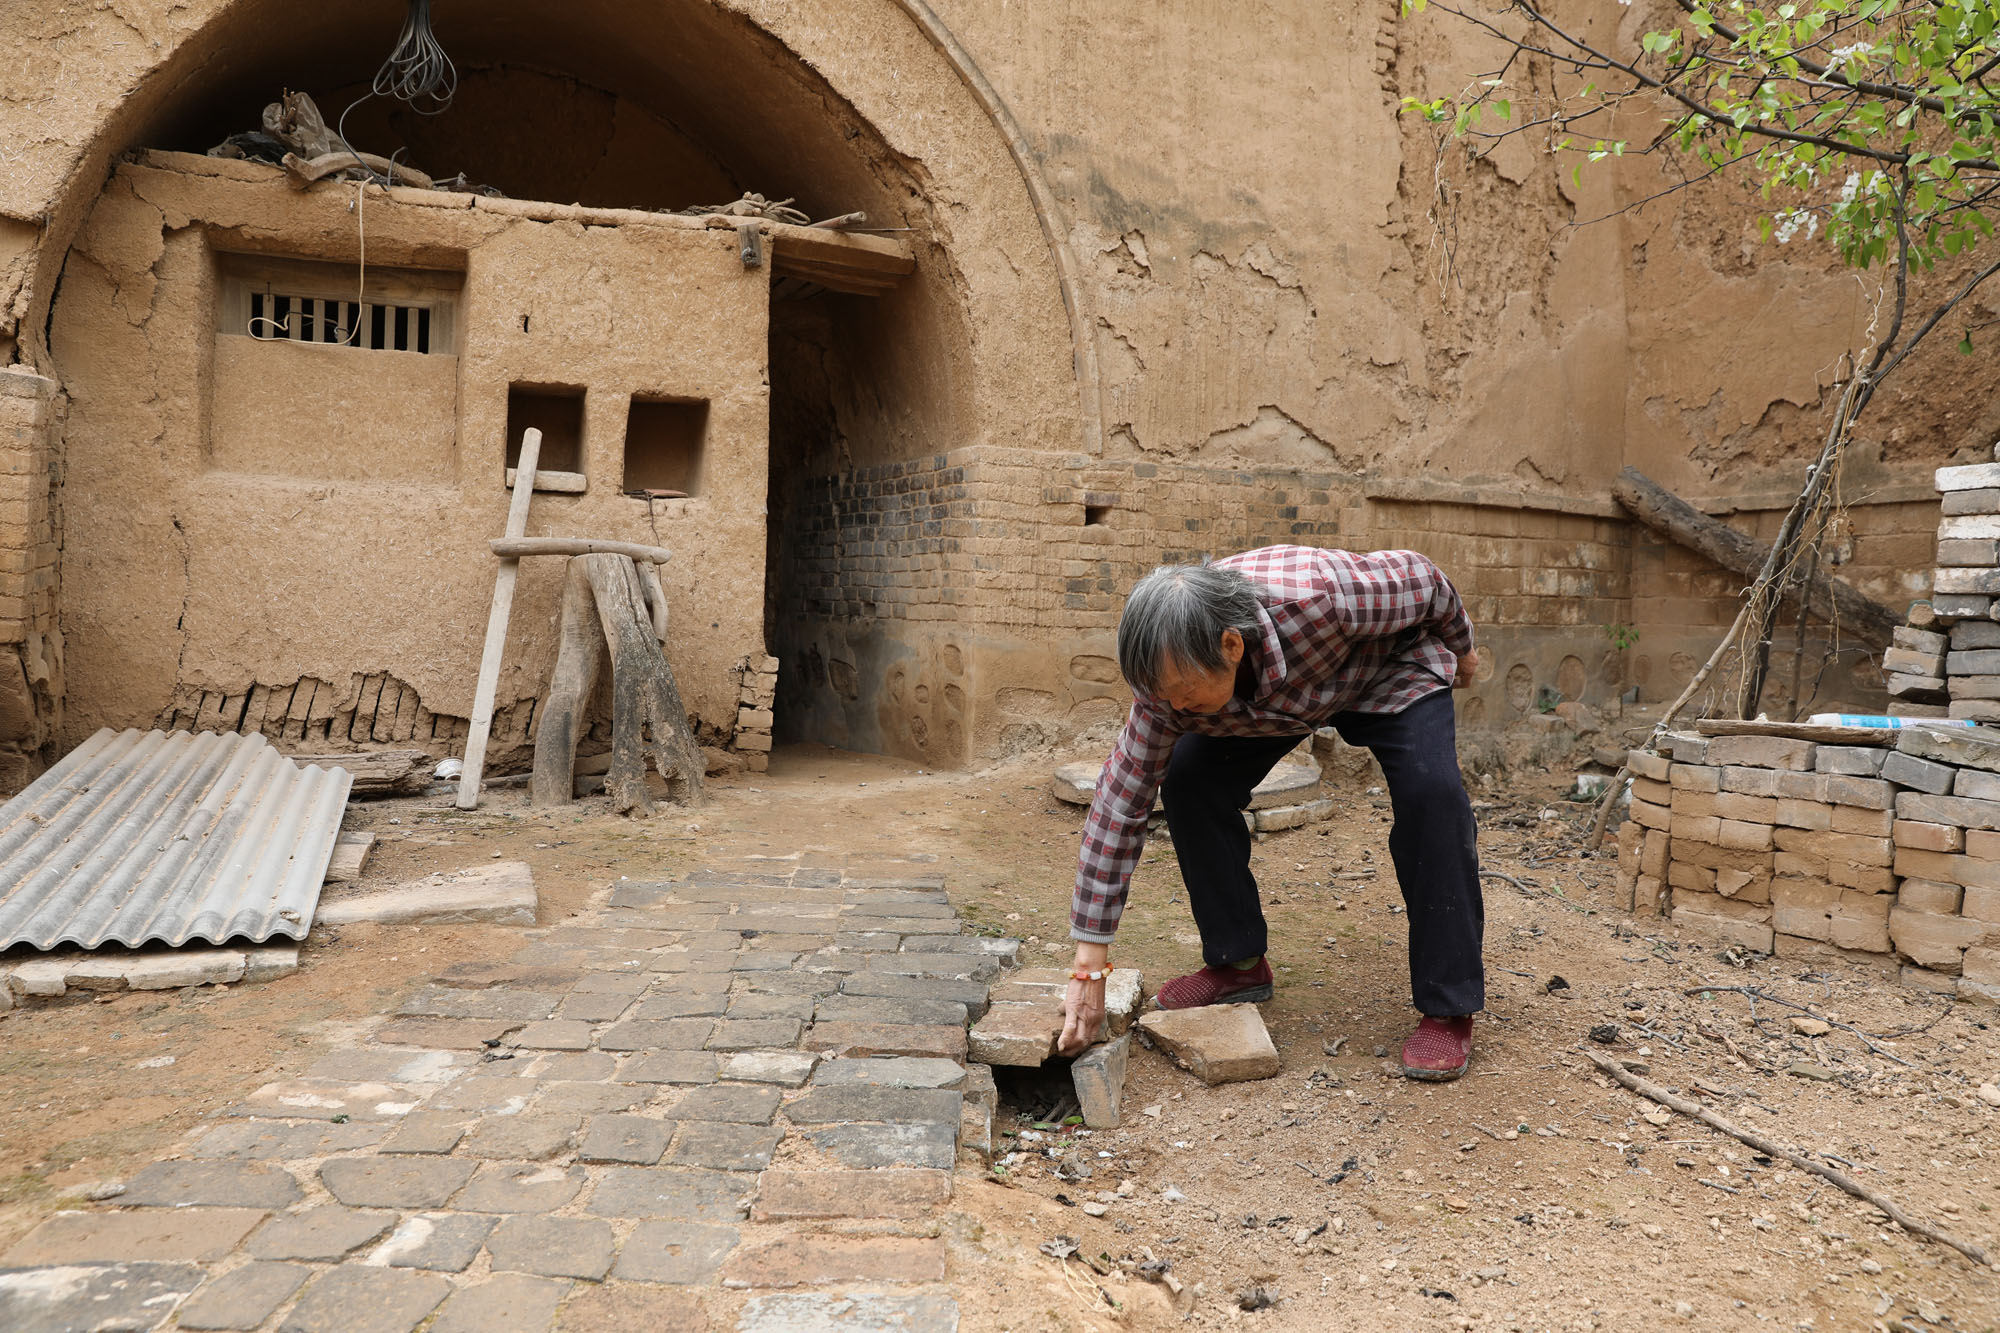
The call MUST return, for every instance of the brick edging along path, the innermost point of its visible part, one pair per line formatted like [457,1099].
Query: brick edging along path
[731,1100]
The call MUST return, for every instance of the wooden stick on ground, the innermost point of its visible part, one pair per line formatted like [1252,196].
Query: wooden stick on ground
[1694,1111]
[496,624]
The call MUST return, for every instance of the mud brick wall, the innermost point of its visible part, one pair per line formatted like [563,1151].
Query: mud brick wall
[1681,603]
[31,683]
[1787,847]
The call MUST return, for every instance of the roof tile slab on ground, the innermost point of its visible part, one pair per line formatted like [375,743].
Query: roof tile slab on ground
[678,1108]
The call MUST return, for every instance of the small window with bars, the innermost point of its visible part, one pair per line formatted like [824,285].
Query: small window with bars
[376,326]
[334,305]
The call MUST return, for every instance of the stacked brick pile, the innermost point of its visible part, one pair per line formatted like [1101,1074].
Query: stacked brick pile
[758,694]
[1953,659]
[1788,846]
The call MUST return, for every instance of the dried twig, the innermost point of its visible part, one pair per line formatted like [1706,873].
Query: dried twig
[1889,1208]
[1754,995]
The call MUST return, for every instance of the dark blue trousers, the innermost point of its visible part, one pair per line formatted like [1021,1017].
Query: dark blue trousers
[1432,842]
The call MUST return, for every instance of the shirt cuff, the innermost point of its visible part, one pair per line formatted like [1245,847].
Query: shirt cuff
[1090,936]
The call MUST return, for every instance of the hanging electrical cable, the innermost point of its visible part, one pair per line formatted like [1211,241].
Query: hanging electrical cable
[418,69]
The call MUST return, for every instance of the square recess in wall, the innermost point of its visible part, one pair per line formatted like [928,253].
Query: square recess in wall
[557,411]
[664,439]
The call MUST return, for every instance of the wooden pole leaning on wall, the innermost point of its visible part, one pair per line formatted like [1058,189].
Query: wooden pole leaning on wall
[648,720]
[496,624]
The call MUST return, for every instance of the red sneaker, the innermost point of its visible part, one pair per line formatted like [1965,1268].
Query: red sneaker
[1218,985]
[1439,1050]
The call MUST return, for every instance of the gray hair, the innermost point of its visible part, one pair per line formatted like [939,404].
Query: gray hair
[1177,614]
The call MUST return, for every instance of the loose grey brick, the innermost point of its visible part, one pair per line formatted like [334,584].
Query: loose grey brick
[1919,774]
[785,1069]
[1861,761]
[1868,793]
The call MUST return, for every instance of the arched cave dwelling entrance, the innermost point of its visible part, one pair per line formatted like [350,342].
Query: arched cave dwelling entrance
[297,546]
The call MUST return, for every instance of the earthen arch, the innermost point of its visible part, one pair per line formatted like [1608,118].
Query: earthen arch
[733,69]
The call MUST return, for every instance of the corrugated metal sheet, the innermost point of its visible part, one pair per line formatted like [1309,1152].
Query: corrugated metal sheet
[174,836]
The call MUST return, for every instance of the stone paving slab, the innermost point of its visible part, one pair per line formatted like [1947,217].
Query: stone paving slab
[798,1261]
[671,1192]
[577,1136]
[553,1246]
[355,1299]
[445,1242]
[504,1303]
[394,1182]
[681,1253]
[191,1235]
[217,1184]
[244,1297]
[325,1234]
[71,1297]
[926,1312]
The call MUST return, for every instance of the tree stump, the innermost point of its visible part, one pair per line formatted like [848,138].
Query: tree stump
[648,720]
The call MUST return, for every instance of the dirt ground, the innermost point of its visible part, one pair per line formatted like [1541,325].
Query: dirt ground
[1533,1194]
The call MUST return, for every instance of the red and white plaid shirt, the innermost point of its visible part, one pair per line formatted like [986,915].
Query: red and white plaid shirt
[1342,631]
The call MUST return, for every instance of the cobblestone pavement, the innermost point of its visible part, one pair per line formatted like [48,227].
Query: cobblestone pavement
[728,1101]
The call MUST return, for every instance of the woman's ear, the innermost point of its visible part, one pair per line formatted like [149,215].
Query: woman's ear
[1232,647]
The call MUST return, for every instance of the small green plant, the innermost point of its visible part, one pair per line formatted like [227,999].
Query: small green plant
[1621,636]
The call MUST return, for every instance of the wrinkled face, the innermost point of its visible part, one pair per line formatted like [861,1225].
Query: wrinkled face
[1192,690]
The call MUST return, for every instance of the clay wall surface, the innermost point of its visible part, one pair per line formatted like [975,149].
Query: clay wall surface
[31,642]
[249,515]
[1282,289]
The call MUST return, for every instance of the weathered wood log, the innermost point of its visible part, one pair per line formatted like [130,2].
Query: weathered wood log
[648,720]
[378,772]
[516,547]
[496,624]
[656,598]
[1674,518]
[301,171]
[579,653]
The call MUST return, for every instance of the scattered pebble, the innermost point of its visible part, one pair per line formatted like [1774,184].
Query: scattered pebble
[1810,1027]
[157,1062]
